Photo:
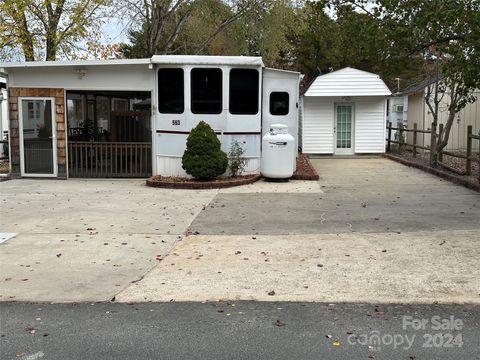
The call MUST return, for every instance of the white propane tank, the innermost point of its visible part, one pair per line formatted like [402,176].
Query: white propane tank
[278,153]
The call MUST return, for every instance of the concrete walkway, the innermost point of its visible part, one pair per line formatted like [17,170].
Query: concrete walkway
[376,232]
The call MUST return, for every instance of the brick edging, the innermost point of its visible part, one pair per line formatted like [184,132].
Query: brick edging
[309,177]
[444,175]
[203,184]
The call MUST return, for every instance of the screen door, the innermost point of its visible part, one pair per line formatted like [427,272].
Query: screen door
[37,137]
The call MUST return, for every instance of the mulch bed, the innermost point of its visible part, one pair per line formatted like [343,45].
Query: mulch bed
[305,169]
[421,162]
[172,182]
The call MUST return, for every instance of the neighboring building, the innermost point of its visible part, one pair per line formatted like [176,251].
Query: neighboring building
[419,113]
[344,113]
[397,112]
[3,116]
[131,118]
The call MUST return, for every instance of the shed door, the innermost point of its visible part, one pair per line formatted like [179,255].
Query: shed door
[343,129]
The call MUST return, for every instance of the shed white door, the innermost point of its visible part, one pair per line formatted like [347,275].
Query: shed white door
[343,129]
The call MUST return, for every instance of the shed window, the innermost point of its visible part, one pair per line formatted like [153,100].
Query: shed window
[170,91]
[279,103]
[243,91]
[206,91]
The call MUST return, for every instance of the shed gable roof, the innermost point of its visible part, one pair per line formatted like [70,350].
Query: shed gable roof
[348,82]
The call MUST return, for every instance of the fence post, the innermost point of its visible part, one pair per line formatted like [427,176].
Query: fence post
[414,149]
[440,131]
[389,138]
[469,150]
[400,138]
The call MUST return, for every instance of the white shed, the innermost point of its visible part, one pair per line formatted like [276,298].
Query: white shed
[344,113]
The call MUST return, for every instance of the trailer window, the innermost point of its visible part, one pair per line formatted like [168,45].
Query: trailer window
[206,91]
[279,103]
[170,91]
[243,92]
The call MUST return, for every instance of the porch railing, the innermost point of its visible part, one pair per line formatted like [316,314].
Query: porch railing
[109,159]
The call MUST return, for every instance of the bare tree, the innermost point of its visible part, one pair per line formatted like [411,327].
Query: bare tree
[164,20]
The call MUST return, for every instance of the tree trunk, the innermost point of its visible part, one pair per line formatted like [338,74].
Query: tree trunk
[51,49]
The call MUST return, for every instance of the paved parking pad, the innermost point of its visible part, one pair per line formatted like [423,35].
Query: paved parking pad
[86,240]
[377,231]
[339,211]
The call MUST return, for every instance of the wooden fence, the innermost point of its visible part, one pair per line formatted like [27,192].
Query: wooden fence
[402,144]
[109,159]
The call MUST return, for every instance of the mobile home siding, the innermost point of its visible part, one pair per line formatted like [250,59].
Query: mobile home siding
[369,125]
[318,114]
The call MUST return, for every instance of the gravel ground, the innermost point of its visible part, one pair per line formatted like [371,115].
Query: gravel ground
[454,162]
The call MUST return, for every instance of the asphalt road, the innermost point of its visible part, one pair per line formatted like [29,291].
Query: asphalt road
[241,330]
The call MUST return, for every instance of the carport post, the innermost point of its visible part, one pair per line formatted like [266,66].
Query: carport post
[469,150]
[414,140]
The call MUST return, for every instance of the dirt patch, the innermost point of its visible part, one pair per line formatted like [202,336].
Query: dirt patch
[305,169]
[173,182]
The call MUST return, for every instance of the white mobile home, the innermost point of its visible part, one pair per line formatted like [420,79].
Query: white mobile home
[344,113]
[127,118]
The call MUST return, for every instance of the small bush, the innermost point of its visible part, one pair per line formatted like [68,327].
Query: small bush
[236,160]
[203,159]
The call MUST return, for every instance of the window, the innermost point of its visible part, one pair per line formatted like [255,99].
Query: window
[206,91]
[243,91]
[279,103]
[170,91]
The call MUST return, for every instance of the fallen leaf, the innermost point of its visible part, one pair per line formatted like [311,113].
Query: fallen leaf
[336,343]
[279,323]
[271,293]
[58,255]
[19,354]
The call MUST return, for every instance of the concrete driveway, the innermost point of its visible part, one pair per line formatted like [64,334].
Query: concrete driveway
[86,240]
[373,231]
[370,230]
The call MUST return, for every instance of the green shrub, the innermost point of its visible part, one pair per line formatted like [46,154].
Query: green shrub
[203,159]
[236,160]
